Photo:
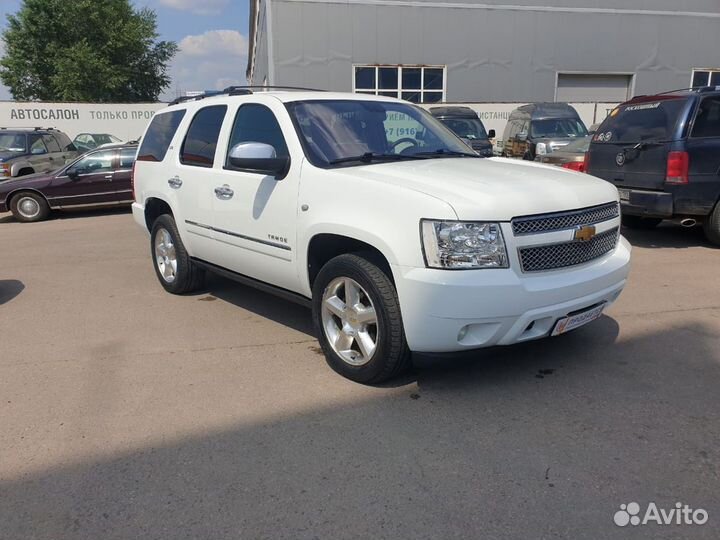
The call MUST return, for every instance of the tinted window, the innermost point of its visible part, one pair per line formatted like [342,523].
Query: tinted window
[635,122]
[707,121]
[51,143]
[127,157]
[467,128]
[159,136]
[557,127]
[37,146]
[257,123]
[65,142]
[200,143]
[95,163]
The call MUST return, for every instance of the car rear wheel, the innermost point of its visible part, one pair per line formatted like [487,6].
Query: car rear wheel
[357,318]
[711,226]
[176,271]
[28,206]
[639,222]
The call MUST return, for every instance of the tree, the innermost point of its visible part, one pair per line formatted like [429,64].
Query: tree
[84,50]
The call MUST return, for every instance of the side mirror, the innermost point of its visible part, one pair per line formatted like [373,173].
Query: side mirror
[260,158]
[522,136]
[491,134]
[73,174]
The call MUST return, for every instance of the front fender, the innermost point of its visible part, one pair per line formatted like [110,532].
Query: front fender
[18,166]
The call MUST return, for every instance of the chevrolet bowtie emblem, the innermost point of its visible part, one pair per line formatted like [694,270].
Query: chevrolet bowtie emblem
[585,233]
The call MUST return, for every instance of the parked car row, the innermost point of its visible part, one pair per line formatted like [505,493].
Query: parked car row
[98,178]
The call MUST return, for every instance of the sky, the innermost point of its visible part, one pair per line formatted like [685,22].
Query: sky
[212,35]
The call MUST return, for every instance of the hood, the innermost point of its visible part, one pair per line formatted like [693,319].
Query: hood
[6,155]
[493,189]
[37,180]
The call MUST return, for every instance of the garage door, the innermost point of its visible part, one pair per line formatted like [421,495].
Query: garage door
[593,87]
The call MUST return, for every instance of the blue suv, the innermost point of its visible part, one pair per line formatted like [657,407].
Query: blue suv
[662,152]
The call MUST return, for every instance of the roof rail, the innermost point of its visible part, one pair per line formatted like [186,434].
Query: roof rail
[699,89]
[239,91]
[34,128]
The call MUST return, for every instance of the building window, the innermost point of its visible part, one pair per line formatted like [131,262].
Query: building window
[418,84]
[705,77]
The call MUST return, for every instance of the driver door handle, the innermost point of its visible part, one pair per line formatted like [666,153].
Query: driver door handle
[108,177]
[224,192]
[175,182]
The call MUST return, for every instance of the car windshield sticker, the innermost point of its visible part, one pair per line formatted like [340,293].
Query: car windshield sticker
[643,107]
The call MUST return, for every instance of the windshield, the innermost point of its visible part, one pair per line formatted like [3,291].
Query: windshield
[639,122]
[105,138]
[580,145]
[467,128]
[557,128]
[338,130]
[13,143]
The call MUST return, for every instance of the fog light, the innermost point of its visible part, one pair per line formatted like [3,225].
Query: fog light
[463,332]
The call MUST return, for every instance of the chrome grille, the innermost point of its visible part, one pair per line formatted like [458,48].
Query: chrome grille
[550,257]
[564,220]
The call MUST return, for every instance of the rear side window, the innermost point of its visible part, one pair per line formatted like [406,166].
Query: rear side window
[200,143]
[127,157]
[635,122]
[707,121]
[51,143]
[159,135]
[257,123]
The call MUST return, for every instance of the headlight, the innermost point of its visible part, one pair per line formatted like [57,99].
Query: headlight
[463,245]
[541,149]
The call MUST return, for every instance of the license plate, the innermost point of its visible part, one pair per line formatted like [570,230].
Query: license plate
[576,321]
[624,195]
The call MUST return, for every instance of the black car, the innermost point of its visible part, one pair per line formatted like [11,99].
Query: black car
[465,123]
[663,154]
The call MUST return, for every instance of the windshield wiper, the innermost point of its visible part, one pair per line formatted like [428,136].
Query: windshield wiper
[445,152]
[631,153]
[369,157]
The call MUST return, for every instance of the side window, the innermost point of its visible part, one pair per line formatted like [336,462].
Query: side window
[95,163]
[159,135]
[257,123]
[707,121]
[51,143]
[127,157]
[198,148]
[37,146]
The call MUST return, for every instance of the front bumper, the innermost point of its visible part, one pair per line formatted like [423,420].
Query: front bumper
[500,307]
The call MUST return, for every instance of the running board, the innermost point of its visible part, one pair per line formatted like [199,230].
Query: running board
[255,283]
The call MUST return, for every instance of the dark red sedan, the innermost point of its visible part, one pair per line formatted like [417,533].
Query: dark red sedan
[99,178]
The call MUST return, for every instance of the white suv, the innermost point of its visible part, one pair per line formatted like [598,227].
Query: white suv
[370,211]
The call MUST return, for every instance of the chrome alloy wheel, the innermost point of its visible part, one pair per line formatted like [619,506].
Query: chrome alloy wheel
[165,256]
[350,321]
[28,207]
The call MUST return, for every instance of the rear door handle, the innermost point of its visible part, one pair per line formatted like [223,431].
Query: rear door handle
[175,182]
[224,192]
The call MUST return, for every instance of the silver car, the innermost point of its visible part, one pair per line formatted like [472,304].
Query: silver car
[29,151]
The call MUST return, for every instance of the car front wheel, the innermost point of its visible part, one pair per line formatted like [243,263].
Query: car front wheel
[29,206]
[176,271]
[357,319]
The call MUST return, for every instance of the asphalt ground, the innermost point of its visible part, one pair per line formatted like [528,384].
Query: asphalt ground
[128,413]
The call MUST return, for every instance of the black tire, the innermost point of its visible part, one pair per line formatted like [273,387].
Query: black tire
[19,202]
[188,276]
[391,356]
[711,226]
[639,222]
